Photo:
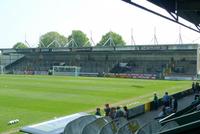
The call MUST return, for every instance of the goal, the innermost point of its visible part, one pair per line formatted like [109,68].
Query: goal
[66,70]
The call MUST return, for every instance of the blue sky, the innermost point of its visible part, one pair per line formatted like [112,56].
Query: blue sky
[30,19]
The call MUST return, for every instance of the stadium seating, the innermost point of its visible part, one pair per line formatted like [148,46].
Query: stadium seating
[168,126]
[189,128]
[184,119]
[155,127]
[141,60]
[177,124]
[186,110]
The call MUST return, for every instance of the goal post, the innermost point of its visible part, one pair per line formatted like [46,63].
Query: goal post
[66,70]
[198,61]
[1,69]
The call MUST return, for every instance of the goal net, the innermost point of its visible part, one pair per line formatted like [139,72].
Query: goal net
[66,70]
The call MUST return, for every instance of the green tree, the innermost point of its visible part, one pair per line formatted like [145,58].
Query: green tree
[78,39]
[20,45]
[52,40]
[111,39]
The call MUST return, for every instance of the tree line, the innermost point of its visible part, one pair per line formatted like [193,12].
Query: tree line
[76,39]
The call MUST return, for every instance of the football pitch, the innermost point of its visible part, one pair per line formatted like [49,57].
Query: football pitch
[33,99]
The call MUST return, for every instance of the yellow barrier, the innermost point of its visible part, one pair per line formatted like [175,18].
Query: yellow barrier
[147,106]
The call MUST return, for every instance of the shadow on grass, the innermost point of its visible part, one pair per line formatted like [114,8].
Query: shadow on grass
[137,86]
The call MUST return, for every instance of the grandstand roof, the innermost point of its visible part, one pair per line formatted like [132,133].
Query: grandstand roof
[186,9]
[103,49]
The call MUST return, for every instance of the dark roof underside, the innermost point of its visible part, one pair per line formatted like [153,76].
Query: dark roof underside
[187,9]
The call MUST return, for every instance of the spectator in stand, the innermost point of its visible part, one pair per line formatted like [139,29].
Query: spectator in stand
[155,102]
[162,114]
[165,111]
[174,104]
[193,88]
[168,110]
[198,107]
[196,100]
[119,112]
[107,110]
[98,112]
[166,99]
[126,113]
[112,113]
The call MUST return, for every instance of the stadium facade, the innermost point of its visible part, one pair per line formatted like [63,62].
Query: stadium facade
[158,60]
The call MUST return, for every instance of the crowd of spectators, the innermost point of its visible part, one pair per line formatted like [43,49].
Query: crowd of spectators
[169,104]
[113,112]
[196,90]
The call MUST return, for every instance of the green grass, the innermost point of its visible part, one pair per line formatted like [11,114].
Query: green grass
[33,99]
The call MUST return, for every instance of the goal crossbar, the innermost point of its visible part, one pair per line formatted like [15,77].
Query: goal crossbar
[66,70]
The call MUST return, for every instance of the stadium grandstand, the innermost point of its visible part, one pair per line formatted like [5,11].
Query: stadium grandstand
[153,61]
